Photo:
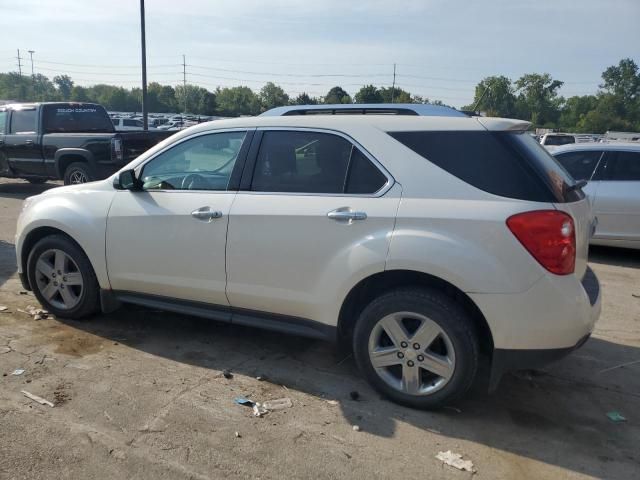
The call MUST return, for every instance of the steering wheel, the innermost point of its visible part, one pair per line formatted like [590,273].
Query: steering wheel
[193,181]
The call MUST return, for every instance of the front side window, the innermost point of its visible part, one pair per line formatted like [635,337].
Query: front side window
[23,121]
[201,163]
[626,167]
[3,120]
[313,162]
[580,164]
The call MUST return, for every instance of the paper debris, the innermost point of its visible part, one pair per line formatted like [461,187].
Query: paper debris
[36,398]
[455,460]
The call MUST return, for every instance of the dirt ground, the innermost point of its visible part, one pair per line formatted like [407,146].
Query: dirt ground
[141,394]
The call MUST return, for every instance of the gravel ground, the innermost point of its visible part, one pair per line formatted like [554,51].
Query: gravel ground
[141,394]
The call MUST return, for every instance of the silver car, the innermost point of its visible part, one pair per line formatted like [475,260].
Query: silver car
[612,171]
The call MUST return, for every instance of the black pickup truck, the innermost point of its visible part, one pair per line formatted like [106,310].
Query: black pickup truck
[75,142]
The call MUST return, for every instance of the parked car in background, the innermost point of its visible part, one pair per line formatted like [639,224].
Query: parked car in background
[127,124]
[423,241]
[76,142]
[612,171]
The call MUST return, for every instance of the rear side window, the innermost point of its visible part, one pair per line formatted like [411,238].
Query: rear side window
[508,164]
[313,162]
[626,166]
[76,118]
[3,121]
[23,121]
[580,164]
[554,140]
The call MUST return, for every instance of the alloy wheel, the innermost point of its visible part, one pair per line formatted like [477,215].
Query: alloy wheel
[58,279]
[77,176]
[411,353]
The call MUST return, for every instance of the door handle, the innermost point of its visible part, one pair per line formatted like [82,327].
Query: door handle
[29,142]
[206,214]
[346,215]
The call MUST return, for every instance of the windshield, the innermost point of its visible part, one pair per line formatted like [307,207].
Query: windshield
[76,118]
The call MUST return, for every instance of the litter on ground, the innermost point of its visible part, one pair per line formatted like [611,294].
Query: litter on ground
[36,398]
[616,417]
[455,460]
[18,371]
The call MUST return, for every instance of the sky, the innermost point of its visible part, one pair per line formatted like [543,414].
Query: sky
[441,48]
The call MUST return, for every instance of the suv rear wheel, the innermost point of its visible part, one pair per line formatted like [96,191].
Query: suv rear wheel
[417,347]
[62,278]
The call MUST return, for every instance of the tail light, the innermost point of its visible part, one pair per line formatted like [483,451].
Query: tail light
[549,236]
[116,149]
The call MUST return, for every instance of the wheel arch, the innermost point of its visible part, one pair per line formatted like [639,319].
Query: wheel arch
[375,285]
[66,156]
[33,237]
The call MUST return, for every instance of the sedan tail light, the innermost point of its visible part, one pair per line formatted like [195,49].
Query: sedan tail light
[549,236]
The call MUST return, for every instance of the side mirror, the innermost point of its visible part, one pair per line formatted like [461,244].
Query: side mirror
[127,180]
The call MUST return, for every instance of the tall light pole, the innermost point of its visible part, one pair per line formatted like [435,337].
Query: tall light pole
[33,75]
[145,113]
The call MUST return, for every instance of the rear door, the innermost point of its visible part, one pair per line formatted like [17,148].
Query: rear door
[4,164]
[22,142]
[617,202]
[314,213]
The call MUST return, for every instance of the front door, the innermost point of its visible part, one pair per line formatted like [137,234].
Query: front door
[169,238]
[316,216]
[617,198]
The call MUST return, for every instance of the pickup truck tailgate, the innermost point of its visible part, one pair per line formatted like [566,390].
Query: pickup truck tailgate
[136,143]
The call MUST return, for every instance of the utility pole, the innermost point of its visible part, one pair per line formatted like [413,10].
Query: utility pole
[393,87]
[33,75]
[184,81]
[19,63]
[31,52]
[145,113]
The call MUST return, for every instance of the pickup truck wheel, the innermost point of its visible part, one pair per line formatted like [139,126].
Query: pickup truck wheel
[36,180]
[78,172]
[62,278]
[417,346]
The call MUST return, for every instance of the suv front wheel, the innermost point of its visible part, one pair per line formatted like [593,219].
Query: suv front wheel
[62,278]
[417,347]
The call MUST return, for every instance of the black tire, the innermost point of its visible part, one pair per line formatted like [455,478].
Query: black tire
[78,169]
[36,180]
[89,298]
[448,315]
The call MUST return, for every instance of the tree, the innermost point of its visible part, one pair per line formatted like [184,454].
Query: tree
[496,95]
[574,111]
[368,94]
[237,101]
[79,94]
[396,94]
[272,96]
[337,95]
[304,99]
[622,80]
[64,85]
[538,98]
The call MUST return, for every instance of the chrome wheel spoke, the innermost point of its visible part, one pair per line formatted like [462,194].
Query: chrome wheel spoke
[385,357]
[44,268]
[74,278]
[393,327]
[59,262]
[410,379]
[49,291]
[437,365]
[426,334]
[68,297]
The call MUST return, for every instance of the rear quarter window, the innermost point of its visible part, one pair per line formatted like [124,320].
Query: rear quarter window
[508,164]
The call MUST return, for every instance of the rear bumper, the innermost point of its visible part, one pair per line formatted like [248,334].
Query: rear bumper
[510,360]
[556,317]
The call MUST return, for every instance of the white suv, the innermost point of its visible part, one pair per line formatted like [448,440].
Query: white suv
[425,241]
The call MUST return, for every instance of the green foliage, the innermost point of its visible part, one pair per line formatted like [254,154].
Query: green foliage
[337,95]
[368,94]
[236,101]
[272,96]
[304,99]
[533,97]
